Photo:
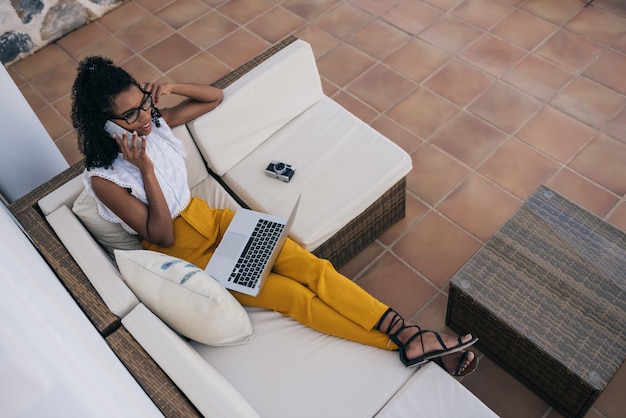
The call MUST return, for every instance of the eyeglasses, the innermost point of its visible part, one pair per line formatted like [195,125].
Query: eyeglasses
[132,115]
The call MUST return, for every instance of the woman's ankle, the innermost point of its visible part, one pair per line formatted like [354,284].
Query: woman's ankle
[383,319]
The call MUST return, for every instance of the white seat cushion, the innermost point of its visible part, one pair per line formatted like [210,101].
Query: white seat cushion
[433,393]
[213,395]
[290,370]
[342,166]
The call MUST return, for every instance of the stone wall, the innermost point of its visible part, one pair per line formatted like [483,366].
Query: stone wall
[28,25]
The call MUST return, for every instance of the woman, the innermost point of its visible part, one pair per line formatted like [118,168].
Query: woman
[139,180]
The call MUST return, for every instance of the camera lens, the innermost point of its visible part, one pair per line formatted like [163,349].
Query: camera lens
[279,168]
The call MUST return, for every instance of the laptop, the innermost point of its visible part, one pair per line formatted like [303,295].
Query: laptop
[249,248]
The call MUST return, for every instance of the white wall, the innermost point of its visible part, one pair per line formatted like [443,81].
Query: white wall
[28,156]
[53,362]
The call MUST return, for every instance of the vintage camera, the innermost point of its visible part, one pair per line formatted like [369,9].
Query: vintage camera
[280,171]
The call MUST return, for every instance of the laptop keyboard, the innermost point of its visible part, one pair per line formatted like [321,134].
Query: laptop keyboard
[257,252]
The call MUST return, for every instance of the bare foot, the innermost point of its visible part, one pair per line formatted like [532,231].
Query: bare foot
[457,364]
[429,341]
[415,344]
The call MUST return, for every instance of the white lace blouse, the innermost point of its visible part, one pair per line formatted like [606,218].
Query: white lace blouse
[167,153]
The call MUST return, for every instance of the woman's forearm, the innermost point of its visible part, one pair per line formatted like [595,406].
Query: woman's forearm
[159,229]
[200,99]
[198,92]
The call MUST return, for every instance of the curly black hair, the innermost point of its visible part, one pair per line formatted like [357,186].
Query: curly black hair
[97,84]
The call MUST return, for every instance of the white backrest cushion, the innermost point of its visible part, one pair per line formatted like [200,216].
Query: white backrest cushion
[215,195]
[185,297]
[63,196]
[257,105]
[110,234]
[202,384]
[196,170]
[94,262]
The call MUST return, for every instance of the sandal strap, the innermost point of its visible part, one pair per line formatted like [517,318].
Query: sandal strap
[396,321]
[459,364]
[417,334]
[382,318]
[438,336]
[397,325]
[392,323]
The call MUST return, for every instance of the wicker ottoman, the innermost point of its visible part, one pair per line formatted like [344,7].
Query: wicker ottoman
[547,297]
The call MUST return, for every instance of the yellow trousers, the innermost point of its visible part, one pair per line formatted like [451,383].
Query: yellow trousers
[301,285]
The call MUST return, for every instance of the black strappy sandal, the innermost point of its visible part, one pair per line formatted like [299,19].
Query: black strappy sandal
[457,370]
[398,321]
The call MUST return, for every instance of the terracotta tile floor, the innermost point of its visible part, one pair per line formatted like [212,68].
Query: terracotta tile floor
[490,97]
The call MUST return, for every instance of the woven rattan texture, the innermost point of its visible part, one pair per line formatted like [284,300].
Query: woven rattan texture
[547,297]
[365,228]
[163,392]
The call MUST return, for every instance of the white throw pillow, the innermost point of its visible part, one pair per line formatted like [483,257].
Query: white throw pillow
[185,297]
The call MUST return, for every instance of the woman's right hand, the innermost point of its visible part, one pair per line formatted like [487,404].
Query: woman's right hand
[153,222]
[133,150]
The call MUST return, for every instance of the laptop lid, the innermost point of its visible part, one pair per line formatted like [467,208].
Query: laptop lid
[236,238]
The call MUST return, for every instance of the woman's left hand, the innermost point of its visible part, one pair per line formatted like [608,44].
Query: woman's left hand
[158,90]
[201,98]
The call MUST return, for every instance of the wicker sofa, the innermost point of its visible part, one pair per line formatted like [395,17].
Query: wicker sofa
[287,369]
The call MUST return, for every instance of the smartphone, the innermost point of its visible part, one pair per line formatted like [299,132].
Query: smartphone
[113,128]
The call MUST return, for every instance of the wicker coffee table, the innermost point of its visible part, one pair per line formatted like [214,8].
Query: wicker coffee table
[547,297]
